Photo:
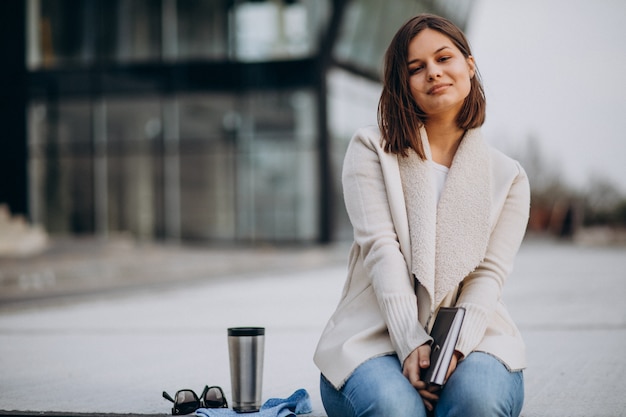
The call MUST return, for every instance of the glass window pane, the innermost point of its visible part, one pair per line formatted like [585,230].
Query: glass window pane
[61,32]
[248,166]
[363,41]
[277,182]
[208,125]
[131,30]
[266,30]
[70,32]
[202,29]
[79,32]
[134,166]
[61,167]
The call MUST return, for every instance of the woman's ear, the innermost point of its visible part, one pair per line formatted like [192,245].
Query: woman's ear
[472,66]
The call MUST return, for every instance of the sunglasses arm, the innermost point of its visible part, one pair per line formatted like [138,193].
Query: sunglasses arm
[167,397]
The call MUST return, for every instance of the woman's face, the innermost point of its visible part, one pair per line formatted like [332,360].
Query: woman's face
[440,76]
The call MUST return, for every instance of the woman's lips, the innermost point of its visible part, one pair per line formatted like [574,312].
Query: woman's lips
[437,88]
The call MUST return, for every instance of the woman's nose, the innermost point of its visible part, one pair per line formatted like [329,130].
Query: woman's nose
[433,72]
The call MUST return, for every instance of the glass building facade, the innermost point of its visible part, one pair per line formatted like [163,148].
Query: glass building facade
[201,120]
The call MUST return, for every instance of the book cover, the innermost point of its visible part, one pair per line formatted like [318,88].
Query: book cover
[445,333]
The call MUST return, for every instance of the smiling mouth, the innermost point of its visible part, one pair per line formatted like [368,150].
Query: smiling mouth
[437,88]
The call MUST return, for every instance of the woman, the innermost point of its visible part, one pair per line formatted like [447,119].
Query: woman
[438,218]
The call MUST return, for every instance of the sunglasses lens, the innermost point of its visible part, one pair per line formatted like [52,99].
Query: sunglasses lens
[214,398]
[186,396]
[186,402]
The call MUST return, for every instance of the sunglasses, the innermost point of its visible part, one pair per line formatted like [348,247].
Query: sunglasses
[186,401]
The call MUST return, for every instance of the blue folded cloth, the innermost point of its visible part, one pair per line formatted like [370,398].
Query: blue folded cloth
[298,403]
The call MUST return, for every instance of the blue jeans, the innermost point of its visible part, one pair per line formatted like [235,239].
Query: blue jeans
[480,386]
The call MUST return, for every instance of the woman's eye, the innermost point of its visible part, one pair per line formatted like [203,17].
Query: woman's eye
[444,58]
[415,70]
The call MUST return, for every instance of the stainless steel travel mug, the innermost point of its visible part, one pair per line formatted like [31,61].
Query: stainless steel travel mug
[246,347]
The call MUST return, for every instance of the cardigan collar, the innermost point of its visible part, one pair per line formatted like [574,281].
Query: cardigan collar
[448,239]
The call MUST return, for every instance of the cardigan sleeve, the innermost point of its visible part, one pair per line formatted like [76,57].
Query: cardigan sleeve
[367,205]
[481,290]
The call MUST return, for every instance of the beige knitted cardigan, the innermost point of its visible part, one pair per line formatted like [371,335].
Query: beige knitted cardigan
[411,255]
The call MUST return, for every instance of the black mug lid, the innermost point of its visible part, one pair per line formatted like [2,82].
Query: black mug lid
[246,331]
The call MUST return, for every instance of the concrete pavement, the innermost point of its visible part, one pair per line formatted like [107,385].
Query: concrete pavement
[94,327]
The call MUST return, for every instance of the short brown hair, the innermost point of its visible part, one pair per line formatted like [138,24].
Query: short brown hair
[399,116]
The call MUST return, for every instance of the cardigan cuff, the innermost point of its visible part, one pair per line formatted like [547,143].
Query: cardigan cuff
[473,328]
[405,331]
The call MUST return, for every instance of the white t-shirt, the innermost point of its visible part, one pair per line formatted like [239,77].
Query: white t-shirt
[440,173]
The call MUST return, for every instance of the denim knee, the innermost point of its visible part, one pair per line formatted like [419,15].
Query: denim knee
[396,400]
[377,388]
[482,386]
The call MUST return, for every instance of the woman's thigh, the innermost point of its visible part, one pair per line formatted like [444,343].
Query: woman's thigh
[377,388]
[482,386]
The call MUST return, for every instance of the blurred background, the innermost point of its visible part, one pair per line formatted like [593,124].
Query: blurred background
[224,122]
[169,168]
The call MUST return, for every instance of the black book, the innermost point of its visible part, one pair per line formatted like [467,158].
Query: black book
[445,333]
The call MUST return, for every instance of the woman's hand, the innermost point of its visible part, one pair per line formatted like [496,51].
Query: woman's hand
[416,361]
[456,357]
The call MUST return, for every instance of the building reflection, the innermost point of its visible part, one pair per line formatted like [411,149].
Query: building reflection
[200,120]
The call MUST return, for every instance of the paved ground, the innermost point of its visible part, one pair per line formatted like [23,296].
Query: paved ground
[105,327]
